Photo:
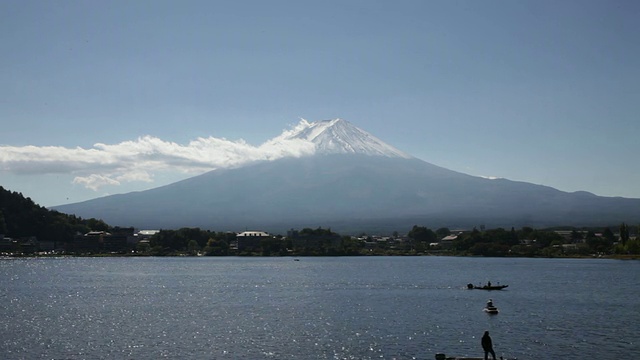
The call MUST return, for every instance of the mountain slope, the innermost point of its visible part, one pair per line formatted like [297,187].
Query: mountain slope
[352,192]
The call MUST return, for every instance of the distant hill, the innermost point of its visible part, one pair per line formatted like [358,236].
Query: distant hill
[354,182]
[21,217]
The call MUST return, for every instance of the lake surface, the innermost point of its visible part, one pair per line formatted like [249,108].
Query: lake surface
[316,308]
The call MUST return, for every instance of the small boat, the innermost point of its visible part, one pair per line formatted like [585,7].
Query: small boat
[486,287]
[490,309]
[445,357]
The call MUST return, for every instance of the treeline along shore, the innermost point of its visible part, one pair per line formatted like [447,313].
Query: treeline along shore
[27,229]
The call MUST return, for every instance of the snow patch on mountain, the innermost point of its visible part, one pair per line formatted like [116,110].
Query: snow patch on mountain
[338,136]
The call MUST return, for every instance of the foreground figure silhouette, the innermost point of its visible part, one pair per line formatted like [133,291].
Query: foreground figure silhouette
[487,346]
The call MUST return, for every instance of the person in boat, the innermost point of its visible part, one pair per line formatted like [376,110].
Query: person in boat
[488,283]
[487,346]
[490,303]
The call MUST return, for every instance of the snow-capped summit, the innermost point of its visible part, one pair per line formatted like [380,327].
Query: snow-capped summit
[338,136]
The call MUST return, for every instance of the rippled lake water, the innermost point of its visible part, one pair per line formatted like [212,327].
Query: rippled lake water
[316,308]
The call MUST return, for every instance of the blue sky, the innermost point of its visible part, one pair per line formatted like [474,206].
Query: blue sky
[105,97]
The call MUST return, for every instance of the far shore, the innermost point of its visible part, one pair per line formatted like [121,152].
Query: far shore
[59,255]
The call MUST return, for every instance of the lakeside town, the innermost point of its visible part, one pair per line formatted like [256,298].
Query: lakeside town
[27,229]
[526,242]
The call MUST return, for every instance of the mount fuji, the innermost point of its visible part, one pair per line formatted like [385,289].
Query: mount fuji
[353,182]
[340,137]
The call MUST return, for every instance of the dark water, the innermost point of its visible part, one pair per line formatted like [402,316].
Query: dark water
[316,308]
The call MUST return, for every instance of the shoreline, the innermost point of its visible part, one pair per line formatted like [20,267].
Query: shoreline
[296,256]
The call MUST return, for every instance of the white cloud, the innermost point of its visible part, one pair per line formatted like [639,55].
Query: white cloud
[138,160]
[95,181]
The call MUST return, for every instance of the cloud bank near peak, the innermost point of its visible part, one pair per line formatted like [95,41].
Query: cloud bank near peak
[138,160]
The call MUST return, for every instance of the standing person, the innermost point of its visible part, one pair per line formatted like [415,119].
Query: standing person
[487,346]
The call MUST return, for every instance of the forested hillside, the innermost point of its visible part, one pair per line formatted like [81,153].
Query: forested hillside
[21,217]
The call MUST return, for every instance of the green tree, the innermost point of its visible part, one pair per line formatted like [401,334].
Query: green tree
[97,225]
[3,224]
[633,246]
[608,234]
[351,245]
[624,233]
[143,247]
[546,238]
[523,250]
[193,247]
[501,236]
[489,249]
[270,246]
[442,232]
[422,234]
[599,244]
[576,236]
[217,247]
